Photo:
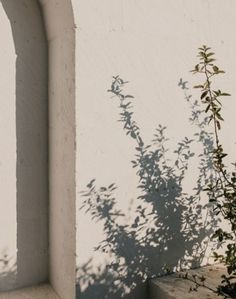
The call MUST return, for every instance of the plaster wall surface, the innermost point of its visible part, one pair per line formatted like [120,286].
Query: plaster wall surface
[8,148]
[24,146]
[59,23]
[37,292]
[131,222]
[26,116]
[130,233]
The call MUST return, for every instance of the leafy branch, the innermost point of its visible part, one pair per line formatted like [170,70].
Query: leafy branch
[221,192]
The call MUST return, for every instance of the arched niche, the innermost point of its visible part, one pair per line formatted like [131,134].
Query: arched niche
[44,41]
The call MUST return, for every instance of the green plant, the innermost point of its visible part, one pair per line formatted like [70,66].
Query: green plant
[222,192]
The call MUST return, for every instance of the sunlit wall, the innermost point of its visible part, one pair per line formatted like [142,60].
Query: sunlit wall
[155,217]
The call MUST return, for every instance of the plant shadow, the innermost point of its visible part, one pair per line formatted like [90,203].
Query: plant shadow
[171,228]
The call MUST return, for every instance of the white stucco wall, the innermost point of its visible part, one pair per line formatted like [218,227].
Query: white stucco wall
[24,149]
[60,28]
[39,76]
[152,44]
[8,151]
[37,240]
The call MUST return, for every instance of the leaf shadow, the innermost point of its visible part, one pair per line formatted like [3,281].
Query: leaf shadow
[171,228]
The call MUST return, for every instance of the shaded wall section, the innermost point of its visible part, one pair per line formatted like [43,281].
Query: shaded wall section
[31,125]
[59,22]
[7,156]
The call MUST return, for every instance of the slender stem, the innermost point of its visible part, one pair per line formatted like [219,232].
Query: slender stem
[198,284]
[221,166]
[215,124]
[211,103]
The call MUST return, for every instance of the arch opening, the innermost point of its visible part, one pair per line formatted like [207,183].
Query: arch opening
[29,120]
[45,143]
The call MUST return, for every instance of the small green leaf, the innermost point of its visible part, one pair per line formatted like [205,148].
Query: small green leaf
[210,54]
[204,94]
[207,108]
[210,60]
[225,94]
[198,86]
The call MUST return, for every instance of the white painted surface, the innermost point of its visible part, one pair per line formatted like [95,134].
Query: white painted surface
[24,150]
[25,120]
[25,85]
[8,229]
[29,99]
[152,44]
[59,23]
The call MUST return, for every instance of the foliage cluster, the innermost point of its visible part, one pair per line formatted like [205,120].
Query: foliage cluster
[222,191]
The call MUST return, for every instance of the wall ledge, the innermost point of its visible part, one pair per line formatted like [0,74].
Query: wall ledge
[174,287]
[38,292]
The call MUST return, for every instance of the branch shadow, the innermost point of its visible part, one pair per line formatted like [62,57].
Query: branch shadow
[171,228]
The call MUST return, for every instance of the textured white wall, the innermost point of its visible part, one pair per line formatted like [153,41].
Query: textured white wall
[59,23]
[25,231]
[24,150]
[8,154]
[26,234]
[152,44]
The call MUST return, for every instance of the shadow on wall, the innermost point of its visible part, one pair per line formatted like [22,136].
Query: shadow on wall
[171,228]
[8,272]
[32,142]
